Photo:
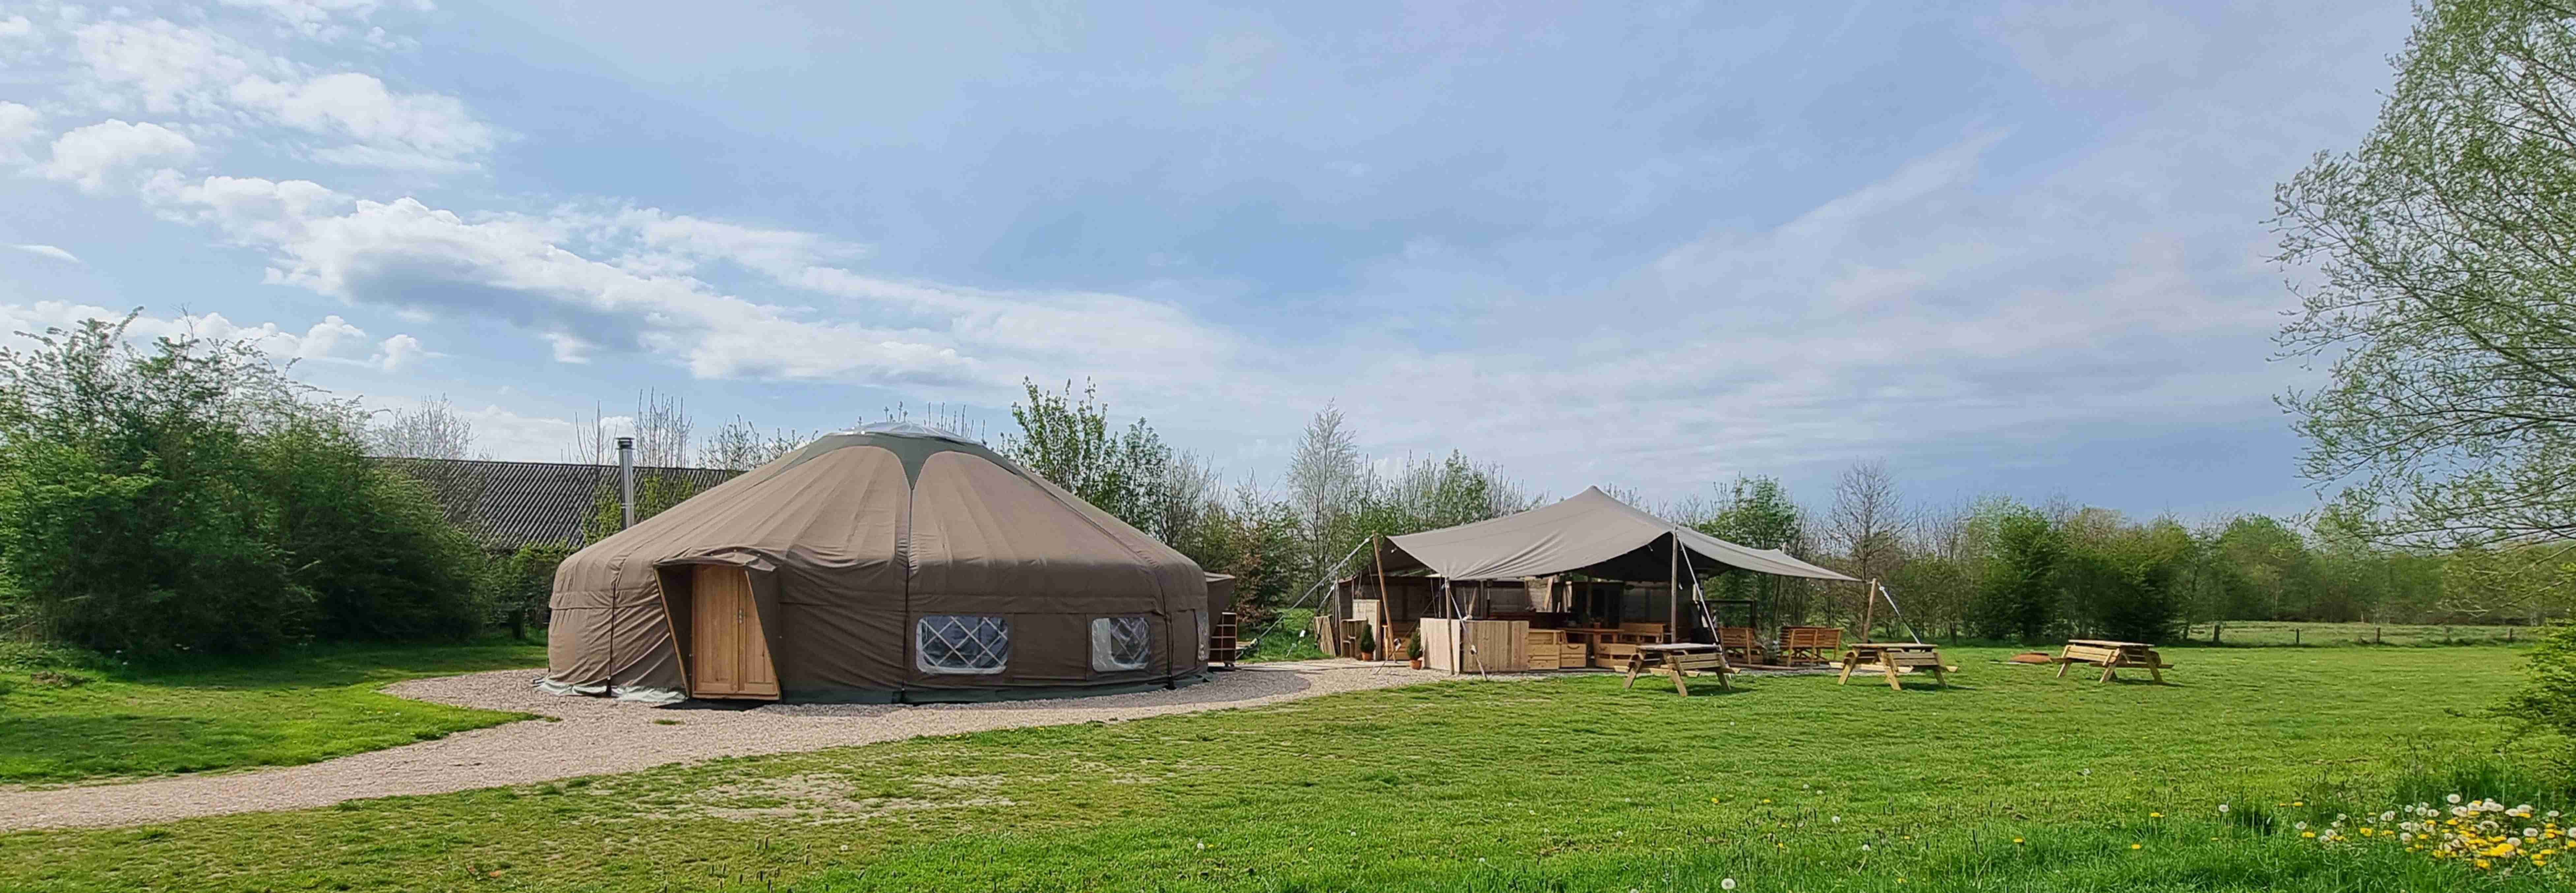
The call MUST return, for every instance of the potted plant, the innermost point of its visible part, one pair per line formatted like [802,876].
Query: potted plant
[1413,650]
[1368,643]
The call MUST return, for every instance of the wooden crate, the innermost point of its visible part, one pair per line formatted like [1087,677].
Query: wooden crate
[1545,660]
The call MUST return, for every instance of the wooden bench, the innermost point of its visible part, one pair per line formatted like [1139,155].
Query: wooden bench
[1809,644]
[1740,644]
[2112,656]
[1678,661]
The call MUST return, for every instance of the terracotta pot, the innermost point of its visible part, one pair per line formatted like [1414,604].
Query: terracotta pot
[1417,663]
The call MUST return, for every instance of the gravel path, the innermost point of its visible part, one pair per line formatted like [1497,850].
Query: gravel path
[597,735]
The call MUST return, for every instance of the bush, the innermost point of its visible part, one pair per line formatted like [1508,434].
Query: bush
[371,544]
[518,586]
[192,498]
[2548,701]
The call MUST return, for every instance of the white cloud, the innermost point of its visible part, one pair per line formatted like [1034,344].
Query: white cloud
[49,251]
[398,352]
[387,129]
[89,156]
[173,69]
[322,19]
[18,125]
[333,340]
[16,26]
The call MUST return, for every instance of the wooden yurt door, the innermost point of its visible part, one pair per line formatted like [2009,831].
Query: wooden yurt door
[729,658]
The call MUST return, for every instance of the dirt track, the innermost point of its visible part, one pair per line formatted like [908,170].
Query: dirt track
[595,736]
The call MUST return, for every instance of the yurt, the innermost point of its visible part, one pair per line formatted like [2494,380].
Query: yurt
[894,563]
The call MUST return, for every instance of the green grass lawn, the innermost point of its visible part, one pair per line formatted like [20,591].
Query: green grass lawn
[71,722]
[2010,780]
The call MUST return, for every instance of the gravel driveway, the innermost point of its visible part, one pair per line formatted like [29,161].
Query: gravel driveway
[597,735]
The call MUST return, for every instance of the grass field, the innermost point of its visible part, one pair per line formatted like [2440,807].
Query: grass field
[2011,780]
[65,721]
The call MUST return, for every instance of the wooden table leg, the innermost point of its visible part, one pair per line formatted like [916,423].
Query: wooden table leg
[1633,667]
[1676,671]
[1850,659]
[2158,669]
[2062,664]
[2107,667]
[1890,665]
[1936,671]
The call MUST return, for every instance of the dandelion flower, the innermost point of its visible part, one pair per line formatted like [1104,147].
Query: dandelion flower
[1728,884]
[1864,847]
[2016,840]
[1838,820]
[2137,846]
[2298,803]
[2454,798]
[2155,815]
[2222,809]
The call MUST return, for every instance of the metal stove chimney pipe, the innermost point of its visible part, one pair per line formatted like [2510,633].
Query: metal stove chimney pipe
[626,477]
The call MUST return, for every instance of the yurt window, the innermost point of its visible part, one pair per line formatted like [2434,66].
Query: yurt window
[1203,636]
[962,643]
[1119,643]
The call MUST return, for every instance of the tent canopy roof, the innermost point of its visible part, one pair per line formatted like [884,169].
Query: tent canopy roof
[1589,533]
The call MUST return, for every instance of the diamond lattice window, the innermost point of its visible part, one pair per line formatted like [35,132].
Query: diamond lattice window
[1120,643]
[962,643]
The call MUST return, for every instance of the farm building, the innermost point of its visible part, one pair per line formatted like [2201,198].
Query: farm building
[512,504]
[892,563]
[1576,583]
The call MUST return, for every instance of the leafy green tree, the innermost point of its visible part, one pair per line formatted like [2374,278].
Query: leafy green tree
[2020,598]
[191,497]
[1756,511]
[2443,295]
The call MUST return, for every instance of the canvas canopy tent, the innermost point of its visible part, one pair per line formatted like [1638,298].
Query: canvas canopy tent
[1589,533]
[892,563]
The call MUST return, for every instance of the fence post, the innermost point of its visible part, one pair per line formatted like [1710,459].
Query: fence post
[2294,635]
[2214,627]
[2378,636]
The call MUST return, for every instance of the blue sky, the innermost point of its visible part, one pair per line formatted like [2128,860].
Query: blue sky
[2006,248]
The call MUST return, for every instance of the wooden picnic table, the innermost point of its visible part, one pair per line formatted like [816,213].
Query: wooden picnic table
[1678,659]
[1888,656]
[2111,656]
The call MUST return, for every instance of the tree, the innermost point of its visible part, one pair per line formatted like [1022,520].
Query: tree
[2444,292]
[1757,512]
[192,497]
[1866,523]
[1128,474]
[432,430]
[1325,483]
[739,445]
[2020,598]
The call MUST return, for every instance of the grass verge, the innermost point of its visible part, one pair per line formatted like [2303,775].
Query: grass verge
[66,718]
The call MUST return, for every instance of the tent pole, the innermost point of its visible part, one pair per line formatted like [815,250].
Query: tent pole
[1673,588]
[1385,601]
[1868,609]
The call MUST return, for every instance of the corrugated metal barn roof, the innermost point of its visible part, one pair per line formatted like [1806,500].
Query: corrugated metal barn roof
[513,504]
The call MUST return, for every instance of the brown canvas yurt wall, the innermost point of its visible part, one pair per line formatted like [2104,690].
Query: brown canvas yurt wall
[895,563]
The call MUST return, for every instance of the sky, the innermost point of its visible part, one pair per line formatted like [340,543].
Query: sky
[2006,249]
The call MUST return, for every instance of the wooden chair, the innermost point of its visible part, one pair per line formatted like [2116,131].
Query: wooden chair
[1679,664]
[1740,644]
[1810,644]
